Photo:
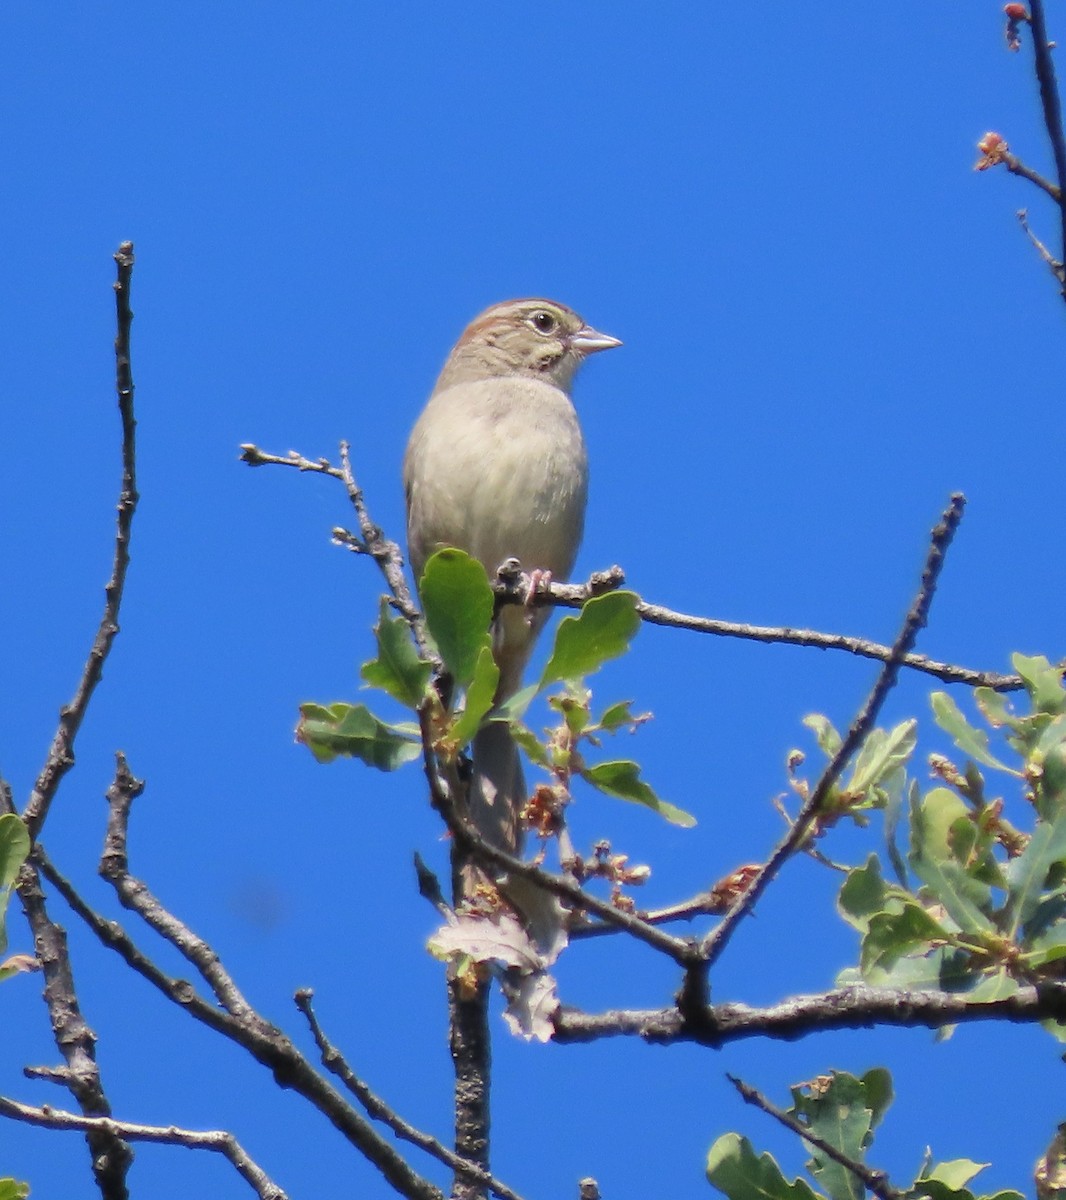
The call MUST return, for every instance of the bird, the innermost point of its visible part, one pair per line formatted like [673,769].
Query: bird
[496,466]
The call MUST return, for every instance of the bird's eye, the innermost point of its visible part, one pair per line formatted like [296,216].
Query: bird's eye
[543,321]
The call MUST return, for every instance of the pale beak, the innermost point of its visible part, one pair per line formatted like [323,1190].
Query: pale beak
[588,340]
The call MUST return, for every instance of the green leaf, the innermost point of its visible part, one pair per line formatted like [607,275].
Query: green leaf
[881,754]
[894,934]
[352,731]
[14,846]
[573,705]
[12,1189]
[954,1174]
[829,741]
[480,693]
[458,603]
[602,631]
[735,1170]
[879,1094]
[1027,874]
[894,806]
[994,985]
[397,669]
[944,968]
[973,742]
[622,779]
[842,1115]
[1042,682]
[1049,946]
[862,894]
[935,1189]
[996,708]
[1048,757]
[531,744]
[932,857]
[619,716]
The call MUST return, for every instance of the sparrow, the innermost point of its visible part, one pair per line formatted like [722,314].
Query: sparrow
[496,466]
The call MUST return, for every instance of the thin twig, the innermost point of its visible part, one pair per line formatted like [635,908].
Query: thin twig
[61,753]
[370,540]
[254,457]
[335,1062]
[1053,264]
[218,1140]
[877,1181]
[385,552]
[942,534]
[705,904]
[136,896]
[573,595]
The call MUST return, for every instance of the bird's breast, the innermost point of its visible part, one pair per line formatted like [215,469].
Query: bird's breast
[498,468]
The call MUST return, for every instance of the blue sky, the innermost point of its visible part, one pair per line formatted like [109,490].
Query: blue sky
[830,323]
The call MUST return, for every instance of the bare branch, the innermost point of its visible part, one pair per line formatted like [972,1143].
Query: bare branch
[515,590]
[218,1140]
[704,904]
[370,540]
[61,754]
[876,1181]
[841,1008]
[80,1075]
[1053,264]
[470,1045]
[334,1061]
[254,457]
[266,1043]
[135,895]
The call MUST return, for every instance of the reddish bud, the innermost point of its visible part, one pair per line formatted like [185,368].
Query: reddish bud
[1015,13]
[994,150]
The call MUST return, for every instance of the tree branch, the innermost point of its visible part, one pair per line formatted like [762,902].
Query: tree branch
[800,1016]
[334,1061]
[1051,106]
[134,895]
[61,754]
[266,1043]
[370,540]
[218,1140]
[514,589]
[812,808]
[111,1156]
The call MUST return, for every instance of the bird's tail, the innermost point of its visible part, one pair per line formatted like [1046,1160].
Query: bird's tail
[498,789]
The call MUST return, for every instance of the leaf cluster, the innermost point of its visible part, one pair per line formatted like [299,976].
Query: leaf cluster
[459,606]
[978,902]
[840,1111]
